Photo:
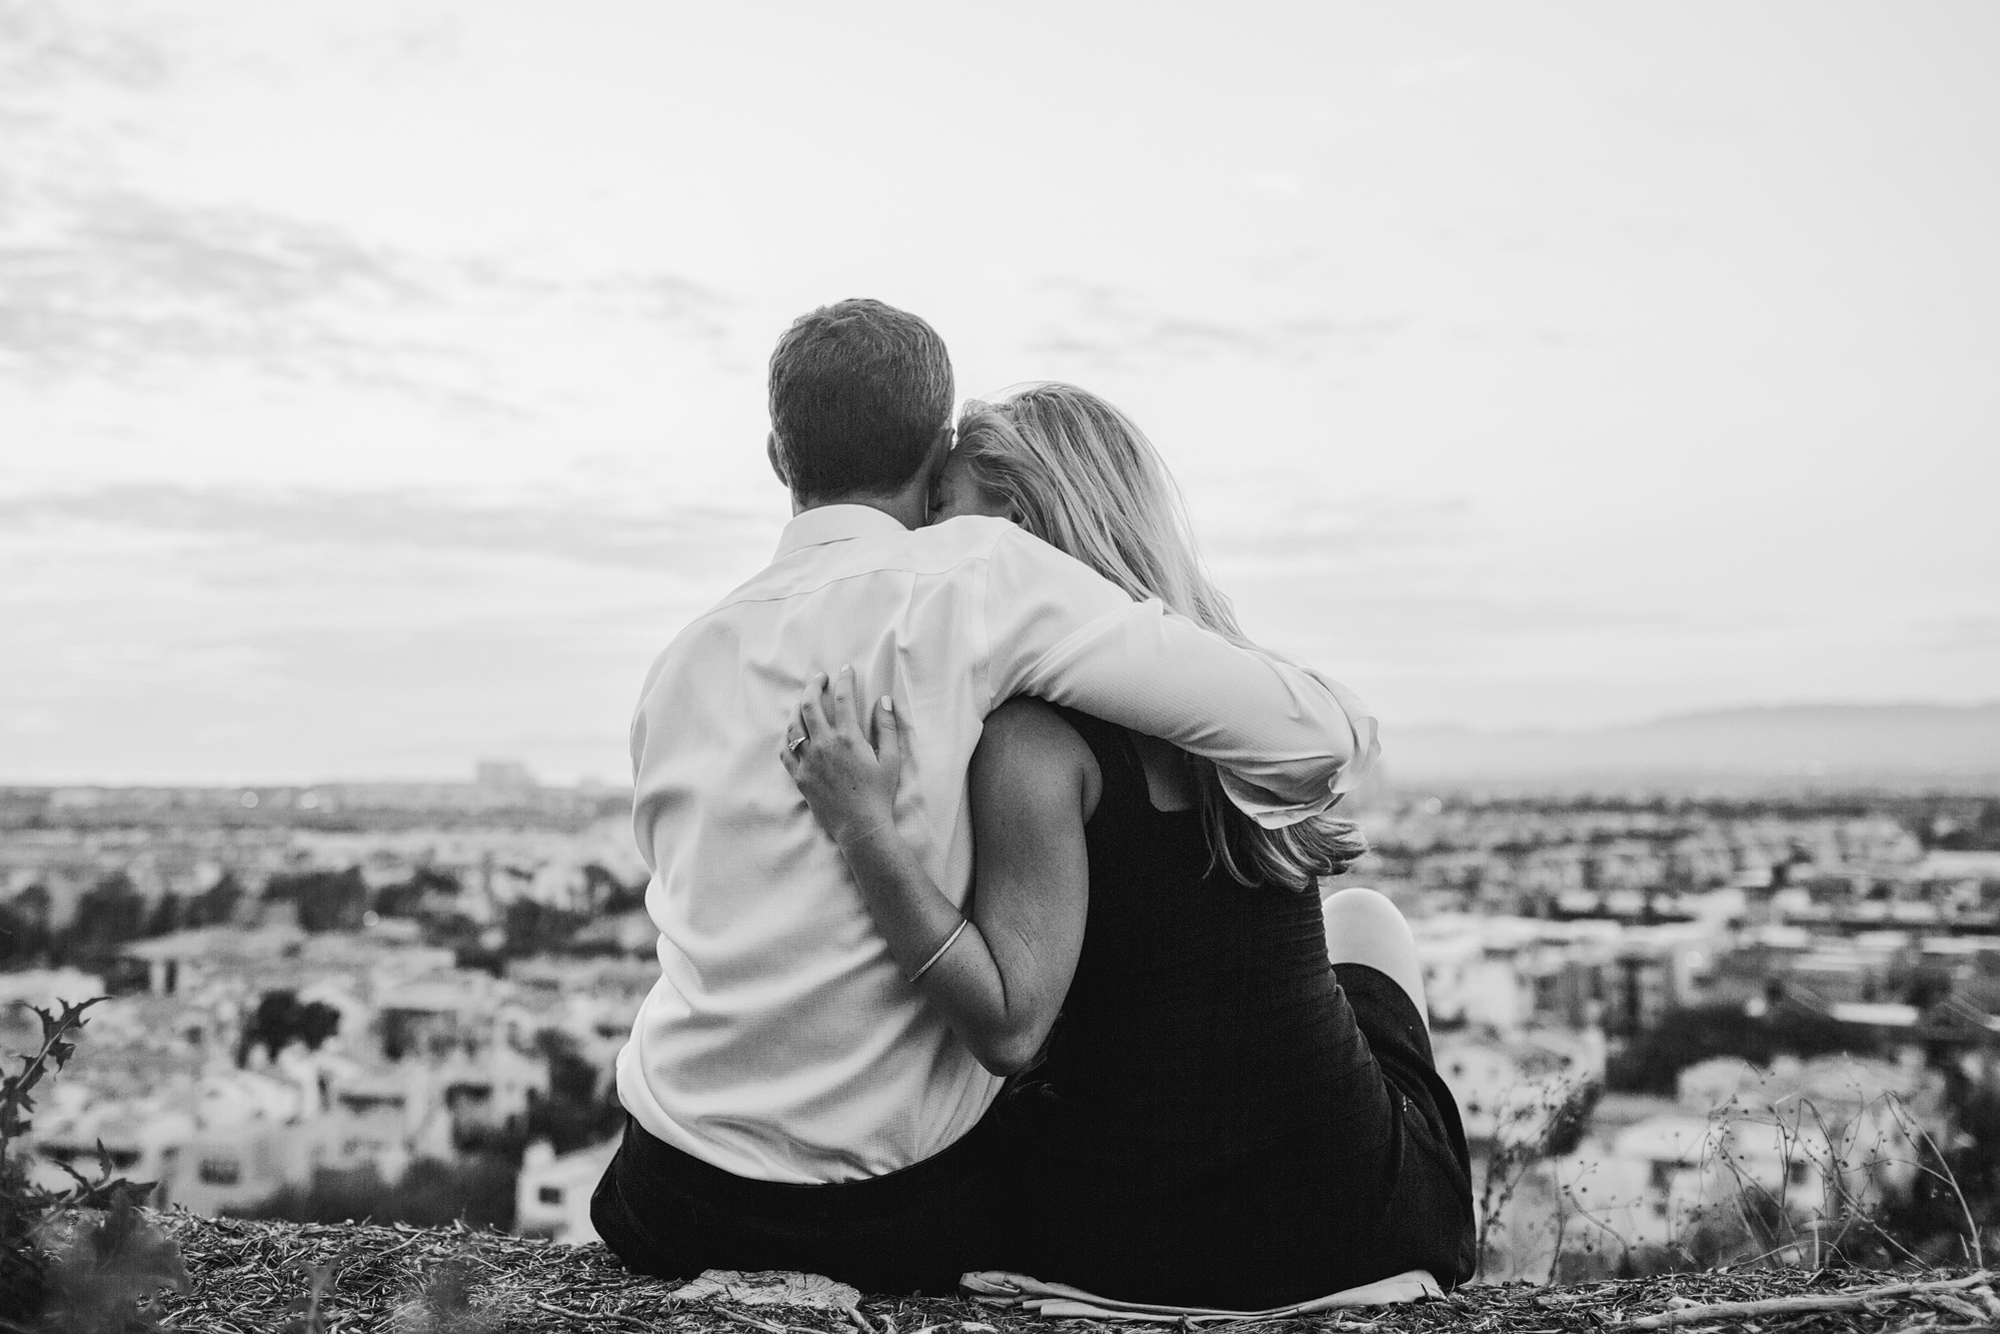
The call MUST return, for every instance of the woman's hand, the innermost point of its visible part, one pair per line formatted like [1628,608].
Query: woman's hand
[849,783]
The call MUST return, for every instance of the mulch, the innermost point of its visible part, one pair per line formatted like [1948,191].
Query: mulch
[259,1278]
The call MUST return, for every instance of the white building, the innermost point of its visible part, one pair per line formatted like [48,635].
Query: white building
[552,1194]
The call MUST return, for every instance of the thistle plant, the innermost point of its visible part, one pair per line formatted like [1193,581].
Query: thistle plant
[81,1260]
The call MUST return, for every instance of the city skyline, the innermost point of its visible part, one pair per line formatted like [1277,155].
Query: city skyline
[381,385]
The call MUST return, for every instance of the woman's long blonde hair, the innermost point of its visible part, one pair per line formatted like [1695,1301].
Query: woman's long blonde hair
[1082,477]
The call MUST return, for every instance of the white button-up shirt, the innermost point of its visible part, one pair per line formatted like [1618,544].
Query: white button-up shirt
[781,1042]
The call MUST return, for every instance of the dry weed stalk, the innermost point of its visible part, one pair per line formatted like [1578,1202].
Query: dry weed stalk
[1564,1117]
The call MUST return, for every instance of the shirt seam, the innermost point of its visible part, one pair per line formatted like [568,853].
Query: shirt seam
[732,601]
[1033,669]
[1062,646]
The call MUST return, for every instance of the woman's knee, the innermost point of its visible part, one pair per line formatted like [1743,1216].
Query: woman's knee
[1363,926]
[1364,916]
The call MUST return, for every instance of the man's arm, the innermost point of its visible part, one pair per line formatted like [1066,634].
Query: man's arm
[1288,741]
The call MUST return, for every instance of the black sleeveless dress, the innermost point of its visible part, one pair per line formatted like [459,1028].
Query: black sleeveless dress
[1223,1118]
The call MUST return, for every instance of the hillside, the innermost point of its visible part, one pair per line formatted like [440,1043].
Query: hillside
[257,1276]
[1839,743]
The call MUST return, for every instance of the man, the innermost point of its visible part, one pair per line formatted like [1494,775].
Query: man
[793,1103]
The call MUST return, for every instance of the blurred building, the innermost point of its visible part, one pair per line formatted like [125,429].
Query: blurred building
[552,1194]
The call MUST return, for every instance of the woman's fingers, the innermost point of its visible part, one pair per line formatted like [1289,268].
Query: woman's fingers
[791,744]
[888,736]
[844,715]
[812,708]
[795,732]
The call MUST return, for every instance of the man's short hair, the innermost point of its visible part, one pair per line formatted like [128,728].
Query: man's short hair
[859,392]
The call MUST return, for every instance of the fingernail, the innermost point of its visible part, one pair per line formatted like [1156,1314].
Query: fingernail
[888,705]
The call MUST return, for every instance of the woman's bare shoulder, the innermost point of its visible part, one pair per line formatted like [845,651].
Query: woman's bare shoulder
[1029,742]
[1027,716]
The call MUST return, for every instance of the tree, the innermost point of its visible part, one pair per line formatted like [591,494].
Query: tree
[166,916]
[24,928]
[1652,1061]
[1980,833]
[408,898]
[576,1112]
[326,900]
[604,894]
[109,914]
[478,1192]
[280,1020]
[533,927]
[215,906]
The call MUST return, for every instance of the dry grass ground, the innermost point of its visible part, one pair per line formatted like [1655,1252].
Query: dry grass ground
[259,1278]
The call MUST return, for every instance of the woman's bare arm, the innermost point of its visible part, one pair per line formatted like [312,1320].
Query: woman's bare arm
[1034,785]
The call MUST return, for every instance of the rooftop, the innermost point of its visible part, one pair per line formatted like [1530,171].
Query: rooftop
[212,944]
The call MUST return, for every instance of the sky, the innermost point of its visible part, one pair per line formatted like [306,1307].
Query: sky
[381,384]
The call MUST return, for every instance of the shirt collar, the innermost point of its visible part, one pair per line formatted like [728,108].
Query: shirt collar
[833,523]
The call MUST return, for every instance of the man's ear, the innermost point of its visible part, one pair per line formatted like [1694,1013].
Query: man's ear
[940,451]
[776,453]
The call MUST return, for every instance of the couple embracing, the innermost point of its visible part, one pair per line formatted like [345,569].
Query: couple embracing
[984,856]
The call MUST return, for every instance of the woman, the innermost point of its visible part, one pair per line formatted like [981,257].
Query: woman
[1221,1118]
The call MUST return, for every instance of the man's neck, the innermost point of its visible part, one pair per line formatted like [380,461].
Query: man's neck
[906,507]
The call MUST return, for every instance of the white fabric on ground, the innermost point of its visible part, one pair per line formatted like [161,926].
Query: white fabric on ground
[1059,1301]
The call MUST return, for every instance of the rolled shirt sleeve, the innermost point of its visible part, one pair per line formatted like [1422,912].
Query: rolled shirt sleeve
[1287,740]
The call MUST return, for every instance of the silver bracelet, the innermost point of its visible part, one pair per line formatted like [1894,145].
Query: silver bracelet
[949,941]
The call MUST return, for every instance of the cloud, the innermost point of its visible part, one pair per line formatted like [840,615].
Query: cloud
[1434,70]
[1311,532]
[111,280]
[1405,584]
[1965,633]
[44,46]
[686,540]
[1285,184]
[114,284]
[1437,621]
[174,631]
[1109,329]
[314,701]
[103,281]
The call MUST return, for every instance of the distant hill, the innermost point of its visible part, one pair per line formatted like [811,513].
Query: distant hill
[1854,742]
